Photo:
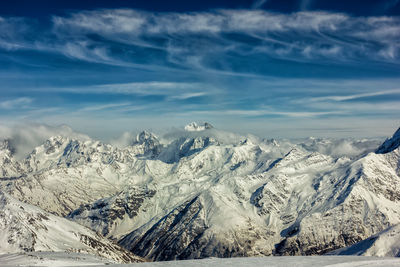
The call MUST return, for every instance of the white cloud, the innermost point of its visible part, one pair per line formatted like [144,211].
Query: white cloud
[265,112]
[13,31]
[342,147]
[25,137]
[172,90]
[188,95]
[105,21]
[354,96]
[103,107]
[21,102]
[296,36]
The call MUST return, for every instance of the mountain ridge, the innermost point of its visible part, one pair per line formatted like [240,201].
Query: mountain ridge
[206,196]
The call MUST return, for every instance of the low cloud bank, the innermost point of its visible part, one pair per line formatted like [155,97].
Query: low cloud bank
[342,147]
[24,138]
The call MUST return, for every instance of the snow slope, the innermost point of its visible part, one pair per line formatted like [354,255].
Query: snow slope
[383,244]
[25,228]
[9,167]
[73,259]
[390,144]
[333,261]
[51,259]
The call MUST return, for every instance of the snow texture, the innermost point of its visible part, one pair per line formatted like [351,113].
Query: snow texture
[26,228]
[74,259]
[193,127]
[336,261]
[383,244]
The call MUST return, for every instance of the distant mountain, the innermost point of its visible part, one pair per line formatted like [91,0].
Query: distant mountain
[208,193]
[193,127]
[9,167]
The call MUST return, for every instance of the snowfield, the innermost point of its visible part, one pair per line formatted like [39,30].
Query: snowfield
[51,259]
[74,259]
[285,261]
[200,193]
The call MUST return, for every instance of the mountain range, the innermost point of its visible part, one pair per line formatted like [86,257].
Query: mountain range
[200,192]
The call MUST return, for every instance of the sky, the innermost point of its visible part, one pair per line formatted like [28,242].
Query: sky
[274,68]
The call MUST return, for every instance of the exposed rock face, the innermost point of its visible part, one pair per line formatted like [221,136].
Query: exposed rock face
[194,127]
[105,215]
[202,196]
[147,144]
[185,147]
[171,236]
[383,244]
[9,167]
[390,144]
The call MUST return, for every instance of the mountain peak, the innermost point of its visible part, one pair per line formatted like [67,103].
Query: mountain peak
[147,142]
[6,144]
[144,137]
[194,127]
[390,144]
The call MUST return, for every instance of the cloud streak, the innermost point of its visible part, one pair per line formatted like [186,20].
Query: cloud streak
[354,96]
[192,40]
[245,64]
[21,102]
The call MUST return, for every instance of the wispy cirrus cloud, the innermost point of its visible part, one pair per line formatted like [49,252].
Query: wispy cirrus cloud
[210,40]
[354,96]
[188,95]
[104,107]
[248,64]
[173,90]
[266,112]
[317,31]
[20,102]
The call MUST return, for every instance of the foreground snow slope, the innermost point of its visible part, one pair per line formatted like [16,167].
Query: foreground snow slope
[210,193]
[73,259]
[333,261]
[24,227]
[52,259]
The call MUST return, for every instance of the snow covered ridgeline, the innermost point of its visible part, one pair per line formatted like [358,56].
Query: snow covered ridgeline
[210,193]
[25,228]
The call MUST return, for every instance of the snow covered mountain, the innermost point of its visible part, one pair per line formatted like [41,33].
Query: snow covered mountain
[193,127]
[24,228]
[207,193]
[383,244]
[390,144]
[9,167]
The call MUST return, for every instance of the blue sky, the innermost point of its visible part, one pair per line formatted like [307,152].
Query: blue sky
[272,68]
